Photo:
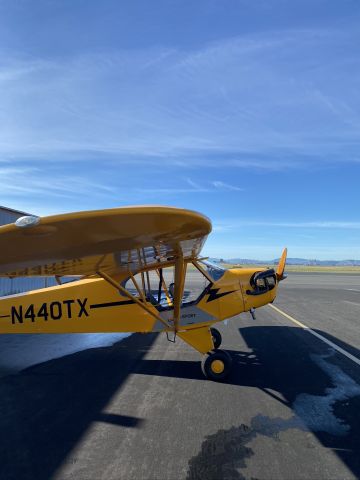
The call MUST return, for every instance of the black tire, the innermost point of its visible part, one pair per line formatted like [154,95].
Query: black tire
[216,365]
[216,336]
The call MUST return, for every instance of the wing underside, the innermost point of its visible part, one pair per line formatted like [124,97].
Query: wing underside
[113,241]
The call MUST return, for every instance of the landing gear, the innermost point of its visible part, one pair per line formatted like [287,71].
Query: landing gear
[216,336]
[216,365]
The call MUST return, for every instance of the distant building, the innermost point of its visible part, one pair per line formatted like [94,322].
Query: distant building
[8,215]
[9,286]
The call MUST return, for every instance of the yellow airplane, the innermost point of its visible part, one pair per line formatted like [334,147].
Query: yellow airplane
[137,269]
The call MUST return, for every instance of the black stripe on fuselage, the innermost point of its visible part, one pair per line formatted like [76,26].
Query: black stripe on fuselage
[214,295]
[112,304]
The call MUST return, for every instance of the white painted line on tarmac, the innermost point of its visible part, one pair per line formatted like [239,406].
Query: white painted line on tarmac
[352,290]
[357,304]
[320,337]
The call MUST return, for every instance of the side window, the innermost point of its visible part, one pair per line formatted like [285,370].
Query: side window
[195,284]
[157,287]
[130,287]
[160,287]
[215,271]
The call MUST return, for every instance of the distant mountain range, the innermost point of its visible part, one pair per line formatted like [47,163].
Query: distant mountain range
[290,261]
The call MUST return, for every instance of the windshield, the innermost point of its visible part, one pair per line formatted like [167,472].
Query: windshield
[215,271]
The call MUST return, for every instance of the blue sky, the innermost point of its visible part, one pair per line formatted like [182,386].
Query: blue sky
[247,111]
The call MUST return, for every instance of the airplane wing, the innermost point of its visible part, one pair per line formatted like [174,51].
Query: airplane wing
[112,241]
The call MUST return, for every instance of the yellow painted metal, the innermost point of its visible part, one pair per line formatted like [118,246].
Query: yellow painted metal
[253,301]
[281,266]
[115,244]
[150,310]
[142,273]
[84,242]
[180,270]
[140,292]
[228,297]
[109,308]
[232,294]
[198,338]
[58,310]
[217,366]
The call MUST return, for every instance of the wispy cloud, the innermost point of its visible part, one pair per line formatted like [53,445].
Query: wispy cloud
[54,188]
[114,114]
[229,225]
[225,186]
[232,99]
[36,182]
[194,187]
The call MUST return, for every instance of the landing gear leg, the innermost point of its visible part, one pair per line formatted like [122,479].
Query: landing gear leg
[216,336]
[216,364]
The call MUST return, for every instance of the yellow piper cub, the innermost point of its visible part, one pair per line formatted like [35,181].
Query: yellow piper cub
[137,269]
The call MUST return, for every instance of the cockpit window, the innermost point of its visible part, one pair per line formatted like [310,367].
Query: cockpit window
[214,270]
[158,287]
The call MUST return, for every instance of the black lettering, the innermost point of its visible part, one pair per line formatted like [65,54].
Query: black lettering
[43,311]
[53,307]
[68,304]
[16,315]
[82,307]
[30,313]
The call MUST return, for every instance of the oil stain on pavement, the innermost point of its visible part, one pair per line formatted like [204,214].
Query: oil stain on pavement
[224,453]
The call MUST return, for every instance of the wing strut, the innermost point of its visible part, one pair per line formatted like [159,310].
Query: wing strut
[141,292]
[141,304]
[168,299]
[180,270]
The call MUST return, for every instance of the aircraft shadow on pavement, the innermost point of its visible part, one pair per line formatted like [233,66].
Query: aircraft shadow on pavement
[46,408]
[321,386]
[307,377]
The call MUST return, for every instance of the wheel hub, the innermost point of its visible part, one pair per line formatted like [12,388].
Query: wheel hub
[217,366]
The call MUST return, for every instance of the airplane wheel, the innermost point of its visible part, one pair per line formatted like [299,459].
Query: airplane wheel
[216,365]
[216,336]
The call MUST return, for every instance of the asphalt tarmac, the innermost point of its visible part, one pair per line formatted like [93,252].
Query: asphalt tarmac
[141,409]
